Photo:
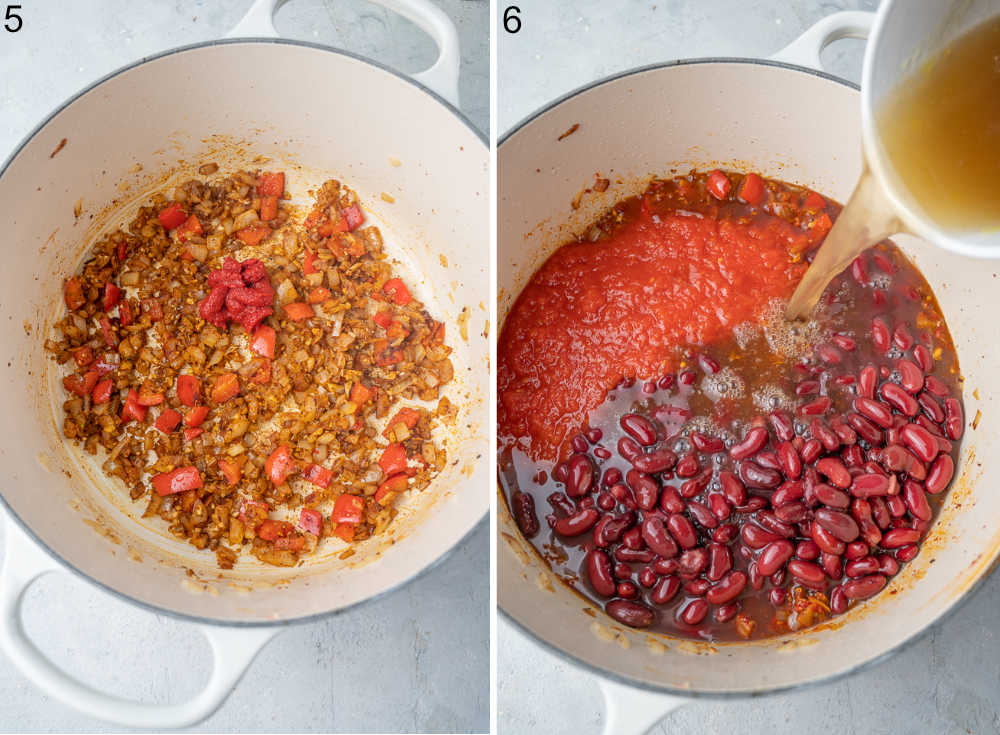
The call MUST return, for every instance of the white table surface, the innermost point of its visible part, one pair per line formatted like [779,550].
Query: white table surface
[417,660]
[949,681]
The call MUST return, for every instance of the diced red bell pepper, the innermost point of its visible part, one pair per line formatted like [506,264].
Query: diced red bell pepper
[270,530]
[361,394]
[122,251]
[719,185]
[226,386]
[110,338]
[83,356]
[173,216]
[190,434]
[312,218]
[353,217]
[111,295]
[263,374]
[148,397]
[318,475]
[271,184]
[168,420]
[751,189]
[279,464]
[231,470]
[383,319]
[82,385]
[196,416]
[407,416]
[311,521]
[190,228]
[102,391]
[309,264]
[268,208]
[393,459]
[318,295]
[383,355]
[814,202]
[188,389]
[253,235]
[388,489]
[345,531]
[297,311]
[262,341]
[291,543]
[396,290]
[125,315]
[73,293]
[177,481]
[348,509]
[132,408]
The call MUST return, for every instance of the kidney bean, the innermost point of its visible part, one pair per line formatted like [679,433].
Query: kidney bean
[594,435]
[788,492]
[665,566]
[721,508]
[829,354]
[725,534]
[870,485]
[807,550]
[632,614]
[580,477]
[682,530]
[773,556]
[523,509]
[920,441]
[733,488]
[911,377]
[838,600]
[693,612]
[897,537]
[756,537]
[664,590]
[656,461]
[907,553]
[753,441]
[646,489]
[845,342]
[826,541]
[916,500]
[861,567]
[865,428]
[902,337]
[671,500]
[835,471]
[832,565]
[875,411]
[639,428]
[599,573]
[687,465]
[629,448]
[628,590]
[725,613]
[726,589]
[791,512]
[831,496]
[788,458]
[867,380]
[632,538]
[702,514]
[880,512]
[936,386]
[612,476]
[655,534]
[602,453]
[579,443]
[899,399]
[778,578]
[696,587]
[856,550]
[752,505]
[696,485]
[844,433]
[940,474]
[777,596]
[634,556]
[922,355]
[880,334]
[887,565]
[578,523]
[754,577]
[811,450]
[870,532]
[720,561]
[693,561]
[753,475]
[865,587]
[772,523]
[861,509]
[897,458]
[647,577]
[827,437]
[807,573]
[807,388]
[816,406]
[841,525]
[705,443]
[768,460]
[587,502]
[954,423]
[606,501]
[782,424]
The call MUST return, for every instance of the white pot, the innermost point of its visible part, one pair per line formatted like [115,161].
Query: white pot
[317,113]
[803,126]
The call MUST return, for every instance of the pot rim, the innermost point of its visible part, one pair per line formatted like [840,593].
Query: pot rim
[688,693]
[203,620]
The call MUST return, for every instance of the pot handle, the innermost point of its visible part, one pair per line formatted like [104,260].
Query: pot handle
[633,711]
[441,77]
[232,651]
[805,50]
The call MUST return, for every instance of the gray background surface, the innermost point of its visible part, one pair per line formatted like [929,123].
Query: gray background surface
[417,660]
[945,683]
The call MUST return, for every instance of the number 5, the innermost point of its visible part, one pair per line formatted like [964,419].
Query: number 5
[12,16]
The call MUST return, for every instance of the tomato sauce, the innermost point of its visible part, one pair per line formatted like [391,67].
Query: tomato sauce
[673,267]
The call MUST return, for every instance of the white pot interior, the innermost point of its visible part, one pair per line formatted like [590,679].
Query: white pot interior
[317,115]
[788,124]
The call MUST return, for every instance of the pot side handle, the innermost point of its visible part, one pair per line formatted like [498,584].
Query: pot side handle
[805,50]
[633,711]
[233,649]
[441,76]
